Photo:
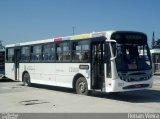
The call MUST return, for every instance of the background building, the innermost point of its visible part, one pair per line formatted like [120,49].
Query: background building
[156,55]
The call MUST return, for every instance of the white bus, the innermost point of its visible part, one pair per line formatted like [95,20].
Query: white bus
[107,61]
[156,60]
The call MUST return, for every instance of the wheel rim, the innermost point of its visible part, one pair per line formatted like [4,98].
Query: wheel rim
[26,79]
[82,87]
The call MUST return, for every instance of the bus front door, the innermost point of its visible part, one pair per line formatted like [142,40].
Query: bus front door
[17,59]
[97,65]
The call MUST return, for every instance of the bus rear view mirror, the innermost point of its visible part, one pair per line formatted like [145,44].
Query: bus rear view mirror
[113,49]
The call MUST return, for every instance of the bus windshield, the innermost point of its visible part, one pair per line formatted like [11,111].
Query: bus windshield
[133,57]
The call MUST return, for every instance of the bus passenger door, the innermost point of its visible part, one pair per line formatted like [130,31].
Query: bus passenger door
[16,62]
[97,65]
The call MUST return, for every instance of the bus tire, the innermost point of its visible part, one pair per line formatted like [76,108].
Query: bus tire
[26,80]
[81,86]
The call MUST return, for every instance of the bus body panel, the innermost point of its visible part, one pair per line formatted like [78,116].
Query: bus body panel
[44,72]
[10,70]
[56,74]
[65,73]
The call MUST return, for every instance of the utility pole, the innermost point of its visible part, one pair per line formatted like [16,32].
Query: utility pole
[73,30]
[153,40]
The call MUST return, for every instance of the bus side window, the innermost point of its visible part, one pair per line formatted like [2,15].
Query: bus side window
[36,54]
[52,52]
[10,55]
[80,51]
[59,52]
[25,56]
[45,52]
[66,51]
[63,52]
[76,49]
[84,56]
[85,51]
[48,52]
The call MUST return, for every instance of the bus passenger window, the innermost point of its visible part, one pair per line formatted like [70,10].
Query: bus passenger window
[52,52]
[10,55]
[80,51]
[76,52]
[66,51]
[85,52]
[25,53]
[63,51]
[36,54]
[48,52]
[59,52]
[84,56]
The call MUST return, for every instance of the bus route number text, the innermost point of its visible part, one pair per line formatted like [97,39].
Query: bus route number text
[73,69]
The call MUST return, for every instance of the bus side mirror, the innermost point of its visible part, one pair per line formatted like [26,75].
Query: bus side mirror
[114,50]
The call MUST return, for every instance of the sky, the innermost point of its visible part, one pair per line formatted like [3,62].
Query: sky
[30,20]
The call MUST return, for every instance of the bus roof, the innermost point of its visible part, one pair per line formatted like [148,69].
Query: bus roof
[106,34]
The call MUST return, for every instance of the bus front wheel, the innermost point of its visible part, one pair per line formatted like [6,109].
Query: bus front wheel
[82,86]
[26,80]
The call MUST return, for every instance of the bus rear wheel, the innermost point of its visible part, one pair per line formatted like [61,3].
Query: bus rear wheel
[81,86]
[26,80]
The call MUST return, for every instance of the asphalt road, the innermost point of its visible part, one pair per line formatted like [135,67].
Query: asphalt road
[15,98]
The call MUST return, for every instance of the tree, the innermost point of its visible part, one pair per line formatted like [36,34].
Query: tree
[1,46]
[157,44]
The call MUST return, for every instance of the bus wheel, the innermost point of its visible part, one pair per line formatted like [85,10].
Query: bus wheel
[26,80]
[81,86]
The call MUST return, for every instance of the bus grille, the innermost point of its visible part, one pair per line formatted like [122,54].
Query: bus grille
[136,86]
[134,78]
